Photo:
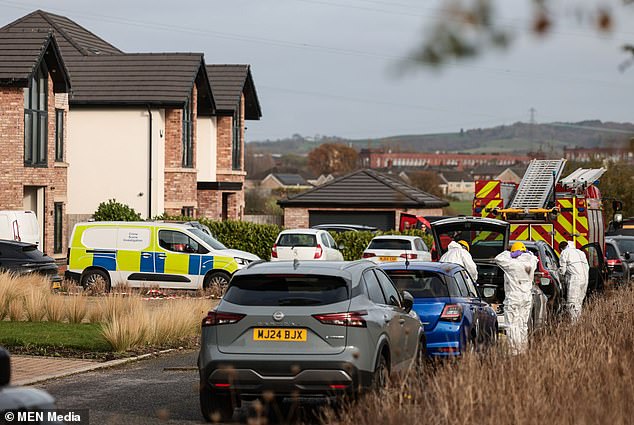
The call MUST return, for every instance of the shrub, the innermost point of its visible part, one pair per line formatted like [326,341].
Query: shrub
[55,308]
[115,211]
[76,309]
[35,304]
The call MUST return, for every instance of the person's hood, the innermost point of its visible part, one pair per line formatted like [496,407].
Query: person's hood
[239,254]
[454,245]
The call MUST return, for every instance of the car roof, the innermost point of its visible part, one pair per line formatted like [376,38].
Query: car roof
[138,224]
[343,269]
[444,268]
[16,244]
[301,231]
[619,237]
[467,219]
[411,238]
[347,226]
[529,243]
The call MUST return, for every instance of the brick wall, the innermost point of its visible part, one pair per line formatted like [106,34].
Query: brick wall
[298,217]
[16,176]
[180,183]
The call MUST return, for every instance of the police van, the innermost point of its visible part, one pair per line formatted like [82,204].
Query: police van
[167,255]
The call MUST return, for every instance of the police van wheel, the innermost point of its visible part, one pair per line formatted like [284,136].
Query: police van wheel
[95,278]
[218,280]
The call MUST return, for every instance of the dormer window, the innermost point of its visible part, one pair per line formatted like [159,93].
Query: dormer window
[36,118]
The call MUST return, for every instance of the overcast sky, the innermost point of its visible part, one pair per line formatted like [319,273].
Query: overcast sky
[335,67]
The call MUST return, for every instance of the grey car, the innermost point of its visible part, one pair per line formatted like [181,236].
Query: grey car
[307,329]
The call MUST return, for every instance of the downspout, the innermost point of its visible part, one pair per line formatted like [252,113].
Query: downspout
[149,192]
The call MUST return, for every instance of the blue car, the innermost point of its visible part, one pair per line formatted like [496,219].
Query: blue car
[454,317]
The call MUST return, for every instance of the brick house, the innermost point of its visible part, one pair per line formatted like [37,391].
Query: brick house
[144,129]
[364,197]
[34,86]
[221,181]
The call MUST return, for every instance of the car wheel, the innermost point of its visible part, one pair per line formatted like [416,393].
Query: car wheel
[217,280]
[95,279]
[215,407]
[381,378]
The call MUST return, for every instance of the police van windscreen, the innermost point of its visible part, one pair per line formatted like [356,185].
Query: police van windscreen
[209,240]
[286,290]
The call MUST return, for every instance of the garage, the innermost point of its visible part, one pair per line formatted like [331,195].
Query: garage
[365,197]
[383,220]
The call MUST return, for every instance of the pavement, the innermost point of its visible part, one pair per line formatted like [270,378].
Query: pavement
[29,370]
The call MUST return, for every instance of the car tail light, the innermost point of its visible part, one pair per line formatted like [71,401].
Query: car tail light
[369,254]
[615,262]
[215,318]
[222,385]
[353,319]
[409,256]
[319,251]
[338,386]
[274,251]
[451,313]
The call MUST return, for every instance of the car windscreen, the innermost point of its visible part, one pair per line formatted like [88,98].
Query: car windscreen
[297,240]
[209,240]
[286,290]
[625,245]
[396,244]
[419,283]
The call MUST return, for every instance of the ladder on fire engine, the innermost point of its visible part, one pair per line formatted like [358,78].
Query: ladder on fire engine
[537,186]
[582,177]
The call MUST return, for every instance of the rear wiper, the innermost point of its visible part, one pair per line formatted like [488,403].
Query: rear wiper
[298,301]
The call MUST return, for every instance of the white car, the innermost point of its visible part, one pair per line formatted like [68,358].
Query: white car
[305,244]
[397,248]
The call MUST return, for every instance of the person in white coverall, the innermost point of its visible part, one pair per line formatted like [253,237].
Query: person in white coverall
[574,270]
[519,267]
[458,253]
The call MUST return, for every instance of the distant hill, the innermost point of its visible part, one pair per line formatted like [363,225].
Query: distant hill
[519,137]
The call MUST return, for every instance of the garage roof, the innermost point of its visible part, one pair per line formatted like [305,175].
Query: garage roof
[365,188]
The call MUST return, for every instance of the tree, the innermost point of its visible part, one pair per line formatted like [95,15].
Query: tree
[427,181]
[332,158]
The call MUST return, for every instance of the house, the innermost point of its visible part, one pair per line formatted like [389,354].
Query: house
[511,174]
[362,197]
[284,181]
[458,184]
[34,87]
[146,128]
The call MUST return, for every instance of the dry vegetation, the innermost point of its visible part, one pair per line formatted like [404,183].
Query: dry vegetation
[574,373]
[128,321]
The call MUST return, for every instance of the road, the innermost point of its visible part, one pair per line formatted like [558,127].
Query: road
[146,392]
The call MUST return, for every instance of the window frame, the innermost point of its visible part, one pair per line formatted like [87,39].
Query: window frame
[198,245]
[36,118]
[187,158]
[384,279]
[58,226]
[59,135]
[370,273]
[236,138]
[464,292]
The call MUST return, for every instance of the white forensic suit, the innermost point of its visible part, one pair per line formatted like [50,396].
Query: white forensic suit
[458,255]
[519,273]
[574,270]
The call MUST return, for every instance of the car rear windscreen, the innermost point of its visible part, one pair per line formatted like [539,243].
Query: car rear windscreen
[286,290]
[419,283]
[397,244]
[297,239]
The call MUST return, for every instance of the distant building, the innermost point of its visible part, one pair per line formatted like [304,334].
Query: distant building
[284,181]
[458,184]
[600,154]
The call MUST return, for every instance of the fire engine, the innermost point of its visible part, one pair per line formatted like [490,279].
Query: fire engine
[546,207]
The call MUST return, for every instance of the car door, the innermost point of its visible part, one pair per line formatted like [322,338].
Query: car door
[422,250]
[598,268]
[337,255]
[329,253]
[470,304]
[408,323]
[177,260]
[486,317]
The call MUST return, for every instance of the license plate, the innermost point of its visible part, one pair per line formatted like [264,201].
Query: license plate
[279,334]
[387,258]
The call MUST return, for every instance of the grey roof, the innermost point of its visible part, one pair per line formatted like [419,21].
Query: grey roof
[365,188]
[101,74]
[291,179]
[456,176]
[228,82]
[21,53]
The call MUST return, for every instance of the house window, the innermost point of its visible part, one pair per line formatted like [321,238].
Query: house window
[187,211]
[59,135]
[57,228]
[188,151]
[236,146]
[35,118]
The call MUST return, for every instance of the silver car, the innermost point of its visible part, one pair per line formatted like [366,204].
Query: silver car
[307,329]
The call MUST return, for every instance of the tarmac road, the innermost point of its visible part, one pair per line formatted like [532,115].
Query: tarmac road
[142,392]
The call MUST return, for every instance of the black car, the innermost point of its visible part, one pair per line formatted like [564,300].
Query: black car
[619,251]
[547,274]
[23,258]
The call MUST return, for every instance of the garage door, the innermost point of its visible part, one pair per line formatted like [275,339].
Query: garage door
[383,220]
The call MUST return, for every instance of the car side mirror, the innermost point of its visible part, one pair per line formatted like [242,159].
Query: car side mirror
[341,246]
[5,367]
[627,256]
[408,301]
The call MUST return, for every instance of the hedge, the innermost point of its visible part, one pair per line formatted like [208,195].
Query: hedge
[258,239]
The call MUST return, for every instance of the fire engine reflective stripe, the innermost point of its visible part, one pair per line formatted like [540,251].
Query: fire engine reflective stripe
[564,203]
[542,232]
[487,189]
[519,232]
[487,236]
